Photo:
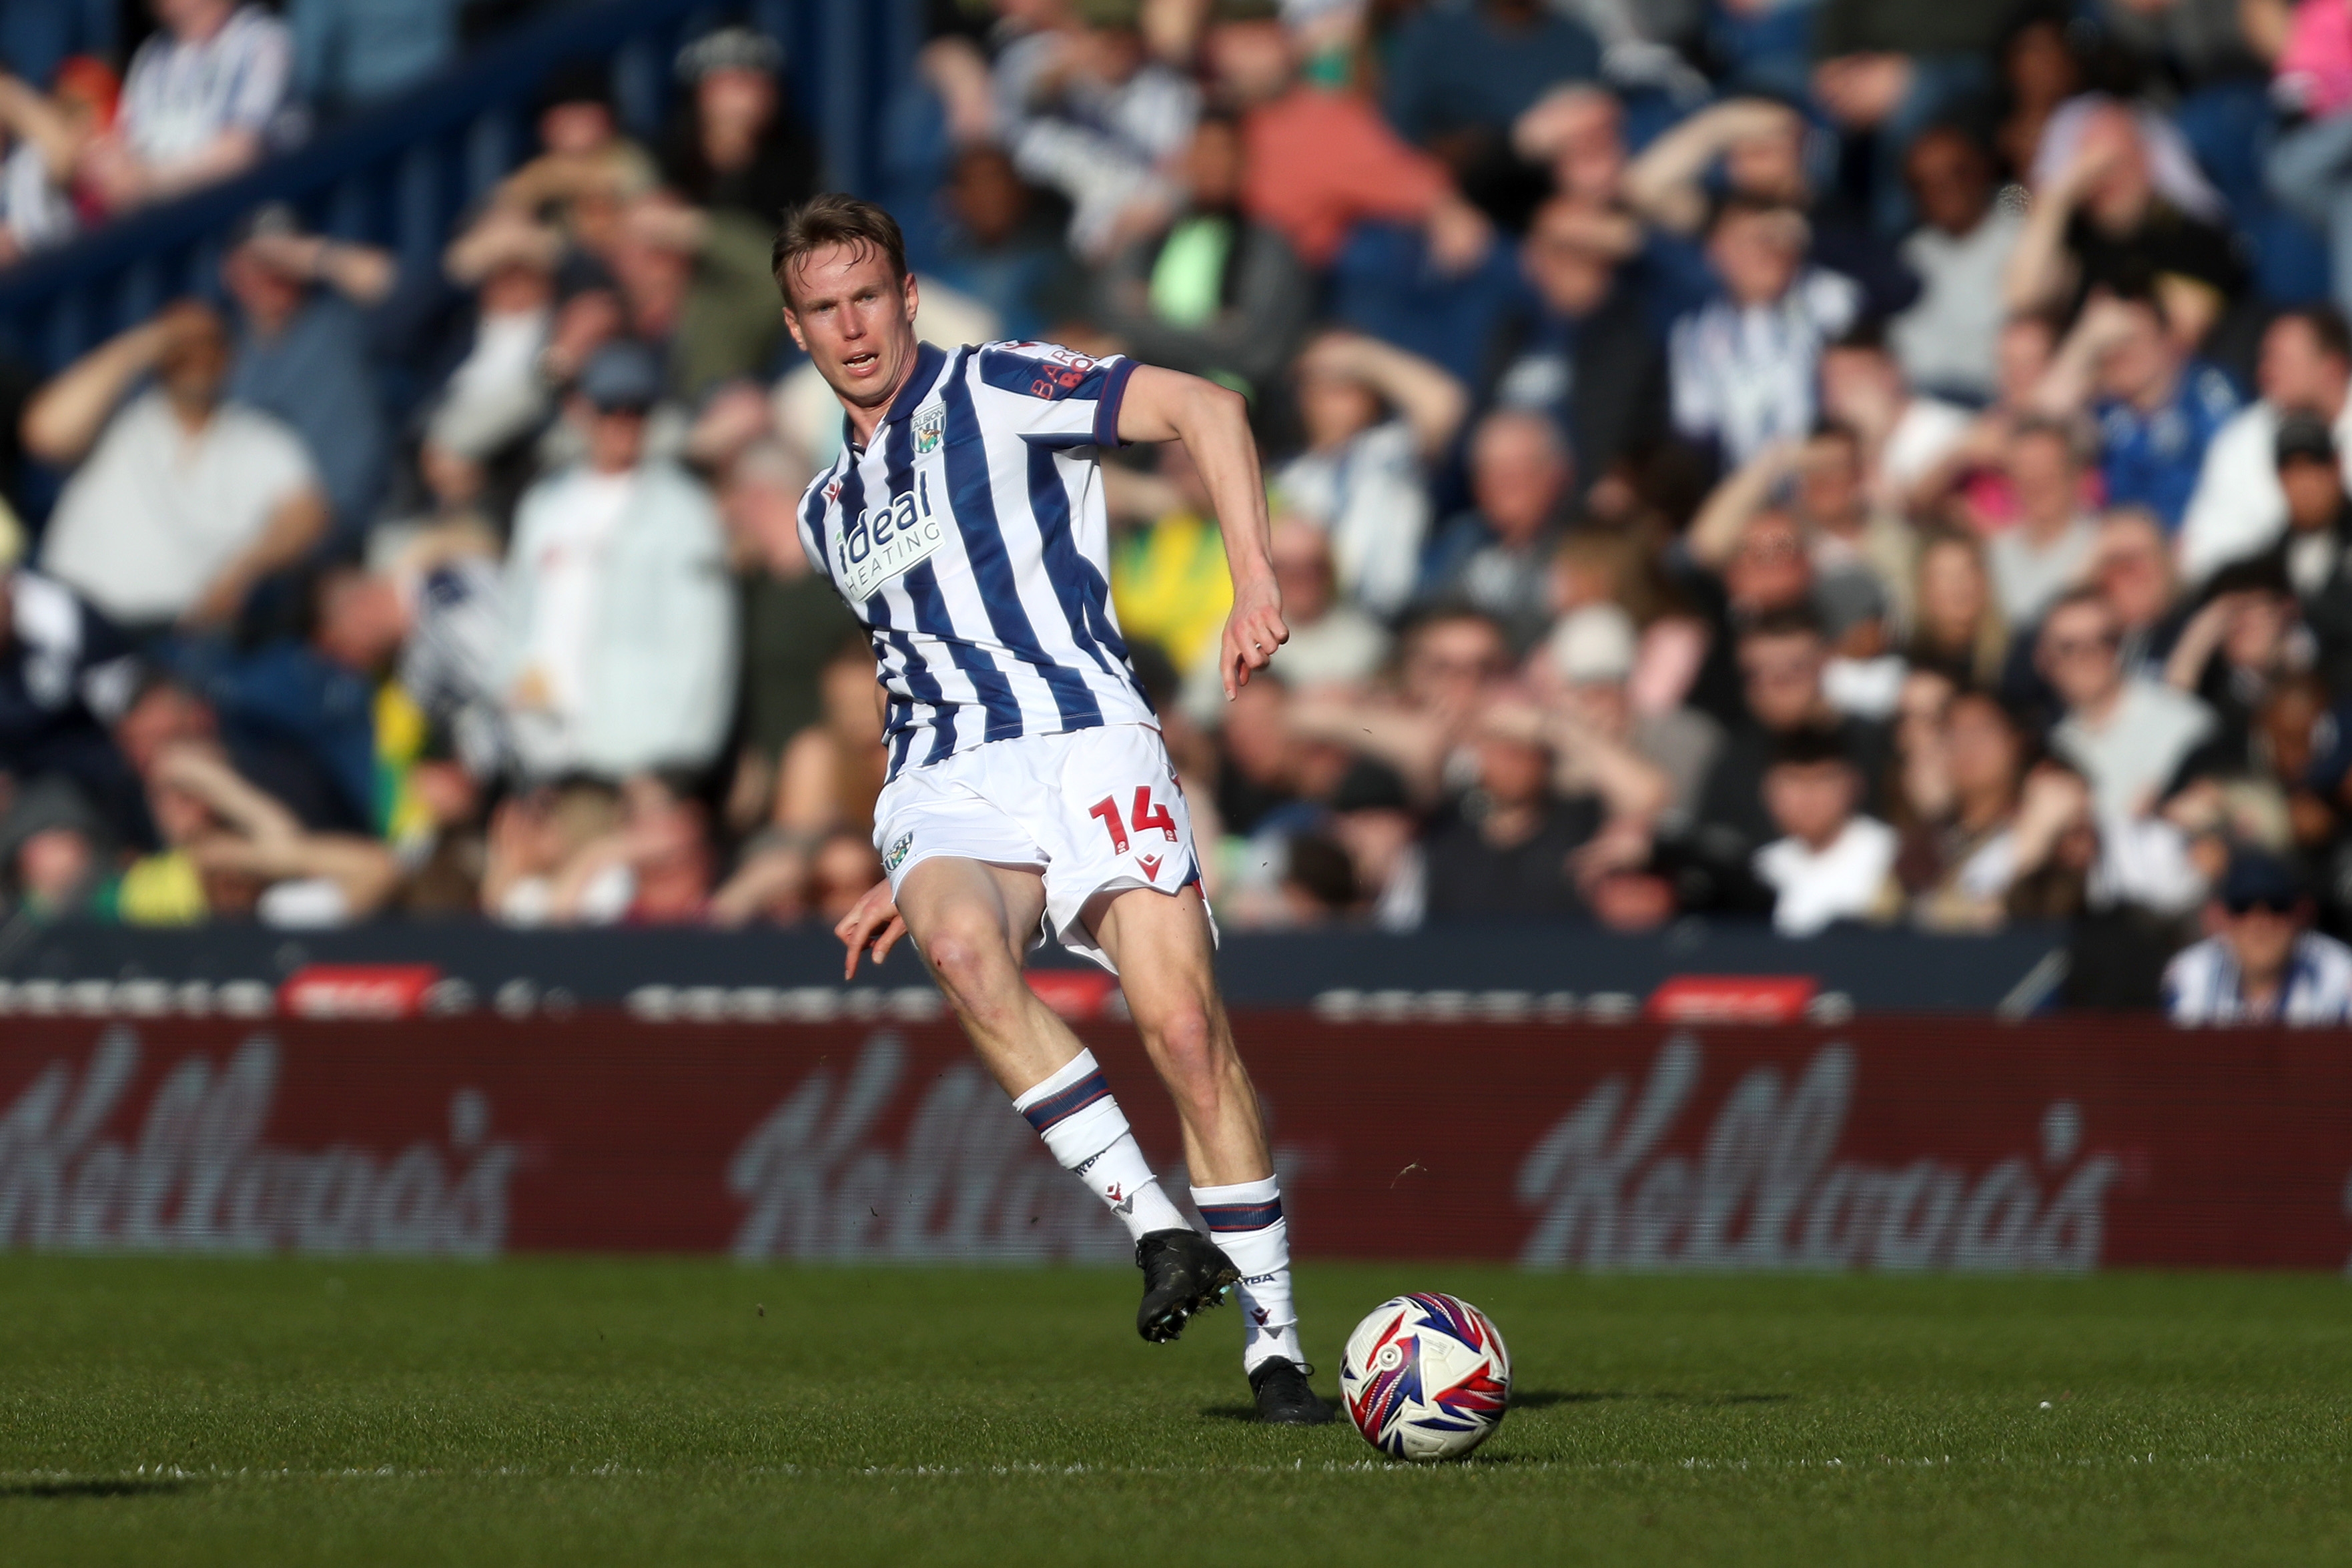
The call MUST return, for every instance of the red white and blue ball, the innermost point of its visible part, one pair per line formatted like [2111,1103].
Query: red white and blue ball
[1425,1377]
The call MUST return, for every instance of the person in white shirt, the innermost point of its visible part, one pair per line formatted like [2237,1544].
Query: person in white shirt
[498,394]
[183,503]
[620,614]
[1904,434]
[2237,508]
[1947,340]
[1832,863]
[199,102]
[2049,548]
[2261,964]
[1375,417]
[2127,733]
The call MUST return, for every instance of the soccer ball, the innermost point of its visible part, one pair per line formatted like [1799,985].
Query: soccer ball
[1425,1377]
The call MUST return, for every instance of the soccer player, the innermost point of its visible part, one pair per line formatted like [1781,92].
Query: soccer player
[1029,794]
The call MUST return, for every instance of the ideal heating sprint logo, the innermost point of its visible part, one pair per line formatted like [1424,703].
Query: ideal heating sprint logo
[198,1176]
[882,541]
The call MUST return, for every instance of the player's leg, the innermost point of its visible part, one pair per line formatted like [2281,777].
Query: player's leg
[1163,946]
[972,923]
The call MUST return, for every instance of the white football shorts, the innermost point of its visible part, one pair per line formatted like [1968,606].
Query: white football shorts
[1093,811]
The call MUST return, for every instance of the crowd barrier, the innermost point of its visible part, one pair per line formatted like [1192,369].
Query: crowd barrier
[1885,1144]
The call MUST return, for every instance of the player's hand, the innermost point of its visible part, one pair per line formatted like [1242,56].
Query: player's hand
[1252,632]
[875,912]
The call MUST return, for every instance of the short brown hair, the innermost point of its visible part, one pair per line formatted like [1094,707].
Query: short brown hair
[832,219]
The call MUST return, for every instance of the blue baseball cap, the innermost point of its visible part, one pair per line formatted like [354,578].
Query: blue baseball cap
[622,375]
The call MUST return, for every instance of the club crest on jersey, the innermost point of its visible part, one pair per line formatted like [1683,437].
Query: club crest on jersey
[897,854]
[930,423]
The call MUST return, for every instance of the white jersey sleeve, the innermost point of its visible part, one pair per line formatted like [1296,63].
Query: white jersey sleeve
[1045,392]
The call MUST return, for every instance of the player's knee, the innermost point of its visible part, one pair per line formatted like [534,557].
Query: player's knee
[973,969]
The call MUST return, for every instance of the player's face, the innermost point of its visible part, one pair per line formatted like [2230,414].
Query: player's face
[855,322]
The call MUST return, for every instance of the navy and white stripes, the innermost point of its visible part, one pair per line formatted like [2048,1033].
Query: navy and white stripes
[1222,1217]
[971,539]
[1055,1109]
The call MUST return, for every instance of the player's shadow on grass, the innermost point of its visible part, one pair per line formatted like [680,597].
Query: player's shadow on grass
[91,1487]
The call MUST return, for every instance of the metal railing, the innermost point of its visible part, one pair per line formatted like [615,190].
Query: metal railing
[400,174]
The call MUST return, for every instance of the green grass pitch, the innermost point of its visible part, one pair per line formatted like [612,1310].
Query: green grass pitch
[589,1411]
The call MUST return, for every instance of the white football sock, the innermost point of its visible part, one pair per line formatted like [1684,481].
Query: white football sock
[1246,1219]
[1074,1113]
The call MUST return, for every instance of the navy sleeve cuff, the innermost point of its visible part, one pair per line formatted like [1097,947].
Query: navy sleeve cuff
[1114,393]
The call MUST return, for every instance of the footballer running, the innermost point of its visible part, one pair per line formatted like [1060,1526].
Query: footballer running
[1029,794]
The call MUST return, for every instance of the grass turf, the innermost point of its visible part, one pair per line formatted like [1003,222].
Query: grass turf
[590,1411]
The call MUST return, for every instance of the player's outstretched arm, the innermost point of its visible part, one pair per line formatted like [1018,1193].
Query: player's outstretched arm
[1213,424]
[875,912]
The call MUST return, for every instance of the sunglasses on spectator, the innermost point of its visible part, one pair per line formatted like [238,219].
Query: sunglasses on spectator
[2068,647]
[2268,906]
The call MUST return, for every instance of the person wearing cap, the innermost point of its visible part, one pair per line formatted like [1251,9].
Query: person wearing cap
[736,147]
[1656,763]
[2263,964]
[183,501]
[620,620]
[2311,556]
[2237,508]
[303,350]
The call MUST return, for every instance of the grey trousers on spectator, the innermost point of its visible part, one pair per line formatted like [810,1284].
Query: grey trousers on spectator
[2309,172]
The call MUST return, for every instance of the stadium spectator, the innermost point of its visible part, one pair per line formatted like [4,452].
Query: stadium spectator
[2100,223]
[2238,508]
[1863,558]
[2309,557]
[1581,350]
[1212,291]
[1334,645]
[1000,244]
[1086,111]
[1962,763]
[2158,409]
[2045,551]
[233,849]
[621,629]
[1959,627]
[67,676]
[1169,580]
[1743,366]
[1502,851]
[46,136]
[183,503]
[1650,763]
[735,146]
[1759,147]
[1458,78]
[497,392]
[1320,161]
[2261,964]
[1903,435]
[1495,558]
[1783,657]
[1453,662]
[827,778]
[203,97]
[2126,733]
[1375,418]
[303,354]
[585,172]
[1831,862]
[1960,251]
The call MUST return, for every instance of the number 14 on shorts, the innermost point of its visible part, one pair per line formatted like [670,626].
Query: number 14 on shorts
[1148,814]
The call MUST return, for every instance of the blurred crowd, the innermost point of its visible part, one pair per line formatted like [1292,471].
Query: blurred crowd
[1807,460]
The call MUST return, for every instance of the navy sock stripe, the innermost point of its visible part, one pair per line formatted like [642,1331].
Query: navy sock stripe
[1242,1216]
[1058,1108]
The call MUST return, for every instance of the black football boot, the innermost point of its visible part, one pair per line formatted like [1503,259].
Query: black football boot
[1183,1273]
[1284,1396]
